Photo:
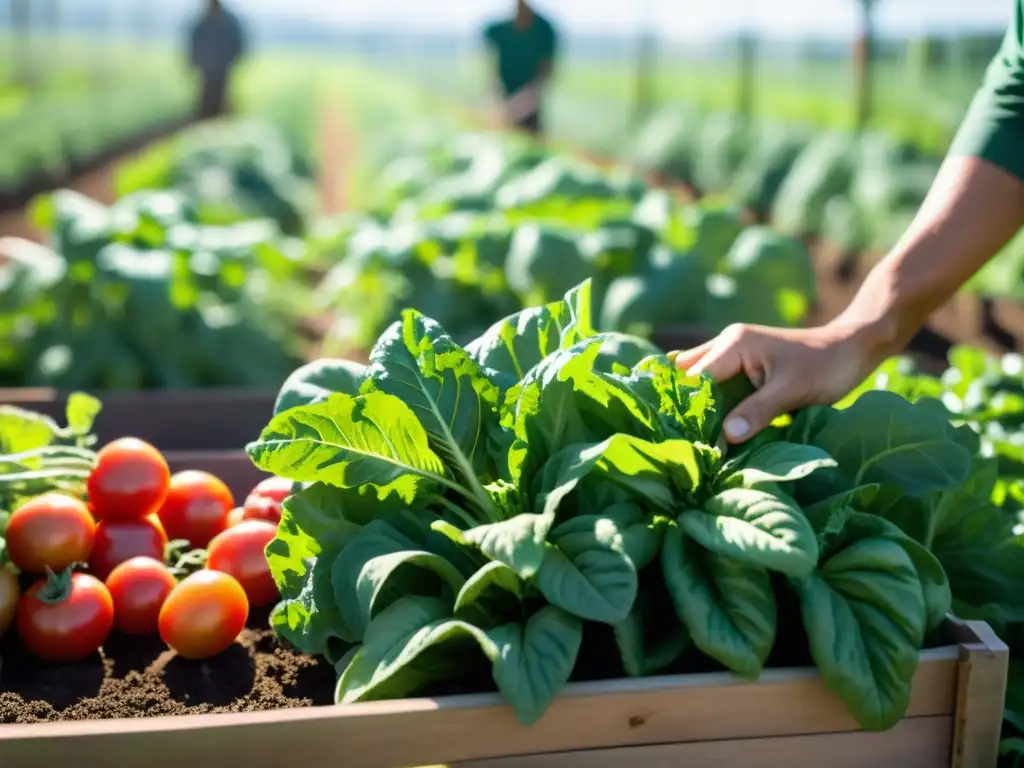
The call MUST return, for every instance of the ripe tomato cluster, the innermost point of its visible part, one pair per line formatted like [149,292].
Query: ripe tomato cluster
[135,507]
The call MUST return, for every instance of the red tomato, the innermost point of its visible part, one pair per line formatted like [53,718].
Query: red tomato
[239,552]
[118,541]
[196,508]
[236,516]
[262,508]
[66,617]
[50,531]
[276,488]
[204,614]
[139,588]
[129,482]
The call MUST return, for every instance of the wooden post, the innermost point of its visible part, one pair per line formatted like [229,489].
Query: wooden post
[646,57]
[863,63]
[981,689]
[21,28]
[747,44]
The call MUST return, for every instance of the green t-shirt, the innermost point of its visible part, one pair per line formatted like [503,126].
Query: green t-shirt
[994,127]
[521,52]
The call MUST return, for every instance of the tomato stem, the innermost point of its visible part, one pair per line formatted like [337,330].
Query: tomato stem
[57,588]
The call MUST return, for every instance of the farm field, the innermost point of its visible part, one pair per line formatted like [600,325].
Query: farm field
[472,471]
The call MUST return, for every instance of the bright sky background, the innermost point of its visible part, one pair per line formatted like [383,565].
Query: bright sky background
[674,18]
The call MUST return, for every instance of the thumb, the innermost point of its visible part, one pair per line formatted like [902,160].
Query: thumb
[758,411]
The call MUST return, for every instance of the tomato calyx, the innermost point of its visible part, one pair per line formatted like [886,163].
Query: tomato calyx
[57,588]
[182,560]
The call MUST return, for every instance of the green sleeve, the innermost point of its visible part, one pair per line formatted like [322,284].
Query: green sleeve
[994,127]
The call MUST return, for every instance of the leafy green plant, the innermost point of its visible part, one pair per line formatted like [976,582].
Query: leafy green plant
[473,517]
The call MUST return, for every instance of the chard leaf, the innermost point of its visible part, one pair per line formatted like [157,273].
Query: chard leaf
[533,662]
[882,438]
[657,474]
[520,342]
[333,514]
[307,616]
[416,361]
[781,462]
[756,528]
[864,613]
[685,404]
[386,578]
[727,606]
[586,573]
[410,644]
[349,442]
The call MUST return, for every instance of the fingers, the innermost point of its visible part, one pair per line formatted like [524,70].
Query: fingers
[688,358]
[759,410]
[721,362]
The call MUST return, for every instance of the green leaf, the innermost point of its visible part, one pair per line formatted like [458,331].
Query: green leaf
[307,615]
[727,606]
[651,637]
[409,645]
[865,615]
[487,592]
[882,438]
[374,540]
[82,411]
[373,439]
[586,573]
[385,578]
[416,361]
[518,343]
[22,430]
[332,514]
[756,528]
[657,474]
[518,543]
[782,462]
[533,662]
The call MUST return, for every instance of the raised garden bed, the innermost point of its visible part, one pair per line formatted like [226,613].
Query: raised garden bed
[172,420]
[787,718]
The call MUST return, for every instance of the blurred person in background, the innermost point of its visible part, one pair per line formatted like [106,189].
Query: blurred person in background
[524,49]
[974,208]
[215,46]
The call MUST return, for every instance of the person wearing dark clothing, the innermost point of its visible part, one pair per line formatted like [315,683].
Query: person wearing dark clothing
[215,46]
[524,49]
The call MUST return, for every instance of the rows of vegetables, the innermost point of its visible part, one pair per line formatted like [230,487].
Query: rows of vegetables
[469,226]
[196,277]
[857,192]
[517,489]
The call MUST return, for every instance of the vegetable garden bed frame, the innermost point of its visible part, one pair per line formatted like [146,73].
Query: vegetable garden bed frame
[171,419]
[788,718]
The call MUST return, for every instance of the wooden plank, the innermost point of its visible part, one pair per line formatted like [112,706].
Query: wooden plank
[921,742]
[617,713]
[172,420]
[980,696]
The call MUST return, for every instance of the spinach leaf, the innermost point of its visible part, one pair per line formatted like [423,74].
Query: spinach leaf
[865,616]
[727,606]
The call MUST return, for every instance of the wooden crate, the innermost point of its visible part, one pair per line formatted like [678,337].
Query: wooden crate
[786,719]
[172,420]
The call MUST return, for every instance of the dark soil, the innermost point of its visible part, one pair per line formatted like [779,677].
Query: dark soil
[139,677]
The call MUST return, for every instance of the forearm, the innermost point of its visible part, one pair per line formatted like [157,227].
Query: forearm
[971,212]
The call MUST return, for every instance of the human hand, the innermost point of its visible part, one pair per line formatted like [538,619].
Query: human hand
[790,368]
[522,104]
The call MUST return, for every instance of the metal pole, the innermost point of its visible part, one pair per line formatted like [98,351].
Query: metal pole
[646,63]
